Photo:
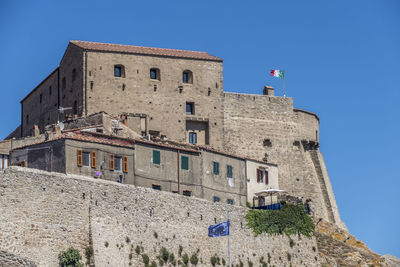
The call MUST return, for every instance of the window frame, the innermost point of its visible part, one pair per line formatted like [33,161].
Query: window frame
[157,74]
[191,106]
[187,77]
[118,163]
[121,69]
[88,154]
[230,201]
[216,199]
[193,138]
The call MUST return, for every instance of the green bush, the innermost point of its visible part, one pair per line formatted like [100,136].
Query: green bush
[137,250]
[164,254]
[194,259]
[88,254]
[70,258]
[153,264]
[145,259]
[213,260]
[185,258]
[290,220]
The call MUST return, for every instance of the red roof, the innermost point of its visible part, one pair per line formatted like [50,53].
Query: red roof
[141,50]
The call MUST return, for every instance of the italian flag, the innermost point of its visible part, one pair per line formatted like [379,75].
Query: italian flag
[278,73]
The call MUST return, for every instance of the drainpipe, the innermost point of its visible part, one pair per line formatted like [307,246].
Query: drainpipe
[86,110]
[179,182]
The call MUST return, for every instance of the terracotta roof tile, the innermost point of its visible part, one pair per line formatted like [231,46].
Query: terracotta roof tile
[141,50]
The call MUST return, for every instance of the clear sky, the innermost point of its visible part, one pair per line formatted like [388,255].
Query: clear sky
[342,61]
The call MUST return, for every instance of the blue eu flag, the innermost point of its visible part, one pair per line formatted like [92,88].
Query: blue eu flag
[220,229]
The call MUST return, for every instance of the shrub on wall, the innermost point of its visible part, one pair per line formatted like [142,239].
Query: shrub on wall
[70,258]
[291,219]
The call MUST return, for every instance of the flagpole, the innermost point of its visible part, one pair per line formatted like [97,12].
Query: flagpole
[229,245]
[284,84]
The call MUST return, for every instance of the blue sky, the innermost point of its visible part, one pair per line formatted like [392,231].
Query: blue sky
[341,58]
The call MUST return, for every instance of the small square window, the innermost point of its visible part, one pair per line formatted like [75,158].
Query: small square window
[229,171]
[156,157]
[117,163]
[189,108]
[215,167]
[86,159]
[216,199]
[156,186]
[229,201]
[184,163]
[193,138]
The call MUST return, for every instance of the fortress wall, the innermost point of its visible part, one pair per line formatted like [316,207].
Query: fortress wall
[37,224]
[249,119]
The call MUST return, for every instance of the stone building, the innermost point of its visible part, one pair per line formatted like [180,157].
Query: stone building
[179,95]
[188,170]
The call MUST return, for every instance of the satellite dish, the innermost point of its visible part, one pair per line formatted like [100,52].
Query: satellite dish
[61,125]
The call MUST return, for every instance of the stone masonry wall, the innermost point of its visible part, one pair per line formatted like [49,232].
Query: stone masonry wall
[43,213]
[250,119]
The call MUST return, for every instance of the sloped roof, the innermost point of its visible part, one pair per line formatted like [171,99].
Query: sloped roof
[141,50]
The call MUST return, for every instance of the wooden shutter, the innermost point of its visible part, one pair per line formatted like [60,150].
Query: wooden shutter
[93,158]
[266,177]
[125,164]
[111,162]
[79,158]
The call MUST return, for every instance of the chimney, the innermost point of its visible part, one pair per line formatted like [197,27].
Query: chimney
[268,90]
[36,131]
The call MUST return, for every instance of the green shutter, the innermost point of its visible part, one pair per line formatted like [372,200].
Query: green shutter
[184,163]
[156,157]
[215,167]
[229,171]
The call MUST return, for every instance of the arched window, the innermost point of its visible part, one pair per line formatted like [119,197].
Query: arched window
[155,74]
[119,71]
[73,75]
[187,76]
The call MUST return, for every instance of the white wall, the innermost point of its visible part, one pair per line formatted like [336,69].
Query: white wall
[252,185]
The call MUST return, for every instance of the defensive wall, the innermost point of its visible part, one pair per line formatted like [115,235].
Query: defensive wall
[44,213]
[259,124]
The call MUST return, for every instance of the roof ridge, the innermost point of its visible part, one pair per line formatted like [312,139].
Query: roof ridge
[149,47]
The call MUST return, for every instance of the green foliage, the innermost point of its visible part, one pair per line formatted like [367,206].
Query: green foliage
[70,258]
[145,259]
[155,234]
[213,260]
[289,257]
[290,220]
[223,262]
[127,240]
[248,204]
[263,263]
[185,258]
[171,257]
[269,257]
[164,254]
[106,244]
[137,250]
[88,254]
[153,264]
[180,250]
[194,259]
[241,264]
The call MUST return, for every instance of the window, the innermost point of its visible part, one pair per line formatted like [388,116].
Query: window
[187,76]
[216,199]
[3,161]
[229,171]
[86,159]
[155,74]
[50,89]
[209,91]
[266,177]
[75,107]
[260,175]
[156,157]
[40,98]
[187,193]
[215,167]
[184,163]
[189,108]
[117,163]
[119,71]
[229,201]
[73,75]
[193,138]
[156,186]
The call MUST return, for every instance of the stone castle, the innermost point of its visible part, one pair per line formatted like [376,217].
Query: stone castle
[179,95]
[160,118]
